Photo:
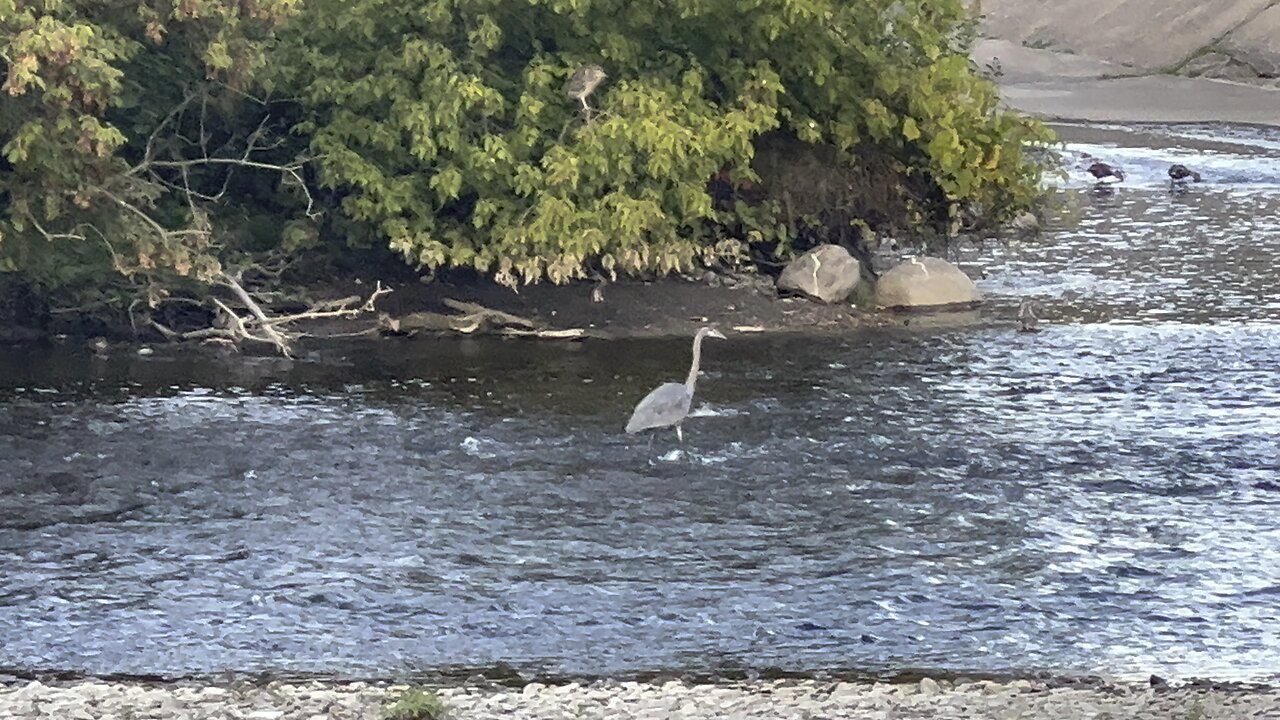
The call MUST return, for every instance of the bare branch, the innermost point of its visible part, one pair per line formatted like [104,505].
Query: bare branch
[291,171]
[55,236]
[204,112]
[240,330]
[222,334]
[255,144]
[191,192]
[165,330]
[274,336]
[255,98]
[291,167]
[151,139]
[147,219]
[347,308]
[225,161]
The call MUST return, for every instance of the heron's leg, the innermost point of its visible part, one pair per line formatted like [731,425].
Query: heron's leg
[586,109]
[680,434]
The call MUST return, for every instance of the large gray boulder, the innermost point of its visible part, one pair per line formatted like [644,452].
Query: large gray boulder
[922,282]
[827,273]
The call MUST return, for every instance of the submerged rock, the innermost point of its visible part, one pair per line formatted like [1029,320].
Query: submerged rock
[923,282]
[827,273]
[1025,223]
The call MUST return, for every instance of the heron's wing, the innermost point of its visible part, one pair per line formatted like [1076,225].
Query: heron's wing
[577,83]
[667,405]
[583,82]
[574,85]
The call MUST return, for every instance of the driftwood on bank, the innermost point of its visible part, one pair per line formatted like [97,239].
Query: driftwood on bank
[472,318]
[255,324]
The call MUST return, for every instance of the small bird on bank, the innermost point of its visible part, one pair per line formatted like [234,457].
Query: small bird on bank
[1027,315]
[668,404]
[1106,174]
[1182,173]
[582,83]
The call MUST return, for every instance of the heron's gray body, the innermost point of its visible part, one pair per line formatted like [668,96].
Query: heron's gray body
[668,404]
[582,83]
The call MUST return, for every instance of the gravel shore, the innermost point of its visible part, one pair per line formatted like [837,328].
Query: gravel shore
[82,700]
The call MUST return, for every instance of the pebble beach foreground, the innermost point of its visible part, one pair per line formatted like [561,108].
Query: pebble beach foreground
[811,699]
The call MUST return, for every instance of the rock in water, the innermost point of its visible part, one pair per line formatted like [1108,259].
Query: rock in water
[923,282]
[1026,223]
[827,273]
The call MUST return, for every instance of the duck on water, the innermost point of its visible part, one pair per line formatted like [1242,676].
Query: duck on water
[1106,174]
[1181,174]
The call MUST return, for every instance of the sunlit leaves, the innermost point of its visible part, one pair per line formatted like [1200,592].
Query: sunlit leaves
[442,126]
[469,95]
[79,90]
[910,130]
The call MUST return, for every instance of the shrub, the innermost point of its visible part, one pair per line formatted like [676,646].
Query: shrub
[444,126]
[141,145]
[416,704]
[113,111]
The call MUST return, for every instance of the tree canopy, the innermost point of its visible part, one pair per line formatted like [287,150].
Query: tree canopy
[150,143]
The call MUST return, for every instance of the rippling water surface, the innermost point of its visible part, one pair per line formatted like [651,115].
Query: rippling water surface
[1103,496]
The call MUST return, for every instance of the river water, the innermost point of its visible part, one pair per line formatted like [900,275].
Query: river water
[1103,496]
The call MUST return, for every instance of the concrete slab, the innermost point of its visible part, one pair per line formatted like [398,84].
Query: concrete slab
[1149,35]
[1154,98]
[1257,42]
[1024,64]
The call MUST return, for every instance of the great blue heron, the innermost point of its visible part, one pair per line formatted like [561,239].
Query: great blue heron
[668,405]
[582,83]
[1105,174]
[1180,174]
[1027,315]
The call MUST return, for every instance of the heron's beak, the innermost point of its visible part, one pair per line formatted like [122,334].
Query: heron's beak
[717,334]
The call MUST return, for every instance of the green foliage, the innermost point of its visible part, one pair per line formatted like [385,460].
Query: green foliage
[442,129]
[416,704]
[91,88]
[445,124]
[457,143]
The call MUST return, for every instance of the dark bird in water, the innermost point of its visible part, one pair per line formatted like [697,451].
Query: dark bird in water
[1181,173]
[582,83]
[1105,174]
[1027,315]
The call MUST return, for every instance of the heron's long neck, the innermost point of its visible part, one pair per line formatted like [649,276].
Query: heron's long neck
[697,358]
